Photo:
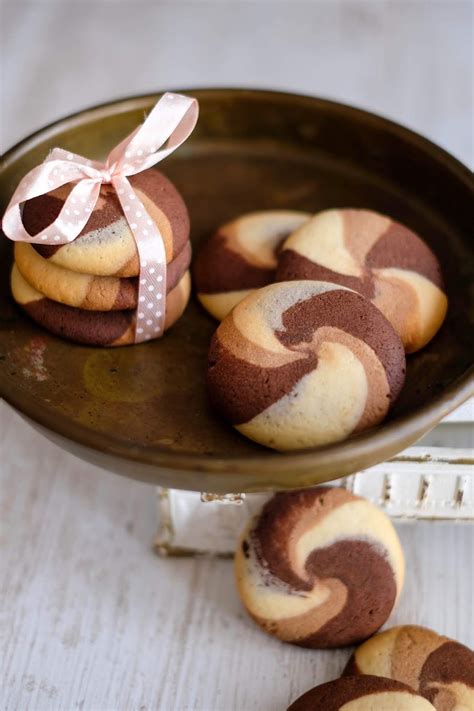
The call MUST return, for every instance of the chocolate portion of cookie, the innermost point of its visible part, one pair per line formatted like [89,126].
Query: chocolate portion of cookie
[447,676]
[304,363]
[106,246]
[372,693]
[241,256]
[319,567]
[98,328]
[220,269]
[378,257]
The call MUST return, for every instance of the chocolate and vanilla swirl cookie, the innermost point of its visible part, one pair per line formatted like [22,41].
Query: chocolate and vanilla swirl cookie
[92,328]
[439,668]
[378,257]
[361,693]
[240,257]
[86,291]
[319,567]
[302,364]
[106,246]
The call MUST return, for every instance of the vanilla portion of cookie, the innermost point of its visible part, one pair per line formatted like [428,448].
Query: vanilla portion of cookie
[301,364]
[320,567]
[219,305]
[437,667]
[379,258]
[241,256]
[257,235]
[388,701]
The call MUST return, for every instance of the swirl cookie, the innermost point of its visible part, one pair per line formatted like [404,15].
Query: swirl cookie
[106,246]
[240,257]
[379,258]
[85,291]
[319,567]
[302,364]
[361,693]
[439,668]
[93,328]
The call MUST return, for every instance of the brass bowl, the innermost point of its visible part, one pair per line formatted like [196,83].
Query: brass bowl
[142,410]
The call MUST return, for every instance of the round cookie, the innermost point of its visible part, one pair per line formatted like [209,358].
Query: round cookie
[302,364]
[319,567]
[361,693]
[240,257]
[85,291]
[379,258]
[437,667]
[106,246]
[93,328]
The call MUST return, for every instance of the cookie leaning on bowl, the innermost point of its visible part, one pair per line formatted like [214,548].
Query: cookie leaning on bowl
[93,328]
[378,257]
[437,667]
[361,693]
[319,567]
[302,364]
[241,256]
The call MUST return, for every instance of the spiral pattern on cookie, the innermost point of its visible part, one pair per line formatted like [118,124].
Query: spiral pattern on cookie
[361,693]
[301,364]
[439,668]
[319,567]
[378,257]
[241,256]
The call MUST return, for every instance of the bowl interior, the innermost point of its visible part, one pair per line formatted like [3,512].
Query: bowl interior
[142,410]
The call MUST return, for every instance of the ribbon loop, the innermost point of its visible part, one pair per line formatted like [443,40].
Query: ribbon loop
[167,126]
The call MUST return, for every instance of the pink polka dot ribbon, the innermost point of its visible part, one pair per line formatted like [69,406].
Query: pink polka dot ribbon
[167,126]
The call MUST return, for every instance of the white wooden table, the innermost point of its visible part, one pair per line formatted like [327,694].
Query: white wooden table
[91,619]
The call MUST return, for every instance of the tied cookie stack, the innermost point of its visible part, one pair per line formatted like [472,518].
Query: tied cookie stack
[87,290]
[103,257]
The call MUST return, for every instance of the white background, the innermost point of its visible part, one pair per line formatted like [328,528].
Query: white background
[91,619]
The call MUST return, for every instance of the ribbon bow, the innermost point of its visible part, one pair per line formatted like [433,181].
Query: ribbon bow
[167,126]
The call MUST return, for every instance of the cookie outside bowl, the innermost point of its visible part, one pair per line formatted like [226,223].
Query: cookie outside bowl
[439,668]
[319,567]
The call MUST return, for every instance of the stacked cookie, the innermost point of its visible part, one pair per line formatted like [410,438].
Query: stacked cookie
[87,290]
[317,315]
